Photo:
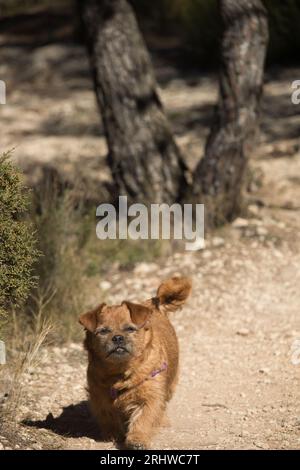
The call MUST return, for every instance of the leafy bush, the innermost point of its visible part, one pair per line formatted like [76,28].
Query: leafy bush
[17,241]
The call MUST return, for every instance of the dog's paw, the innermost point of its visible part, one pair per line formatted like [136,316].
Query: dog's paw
[133,445]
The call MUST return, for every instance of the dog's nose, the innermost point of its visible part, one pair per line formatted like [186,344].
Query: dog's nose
[118,339]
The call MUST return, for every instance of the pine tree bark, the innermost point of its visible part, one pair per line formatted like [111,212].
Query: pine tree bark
[144,159]
[218,178]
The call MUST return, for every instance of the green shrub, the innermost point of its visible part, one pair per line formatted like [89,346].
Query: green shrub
[17,241]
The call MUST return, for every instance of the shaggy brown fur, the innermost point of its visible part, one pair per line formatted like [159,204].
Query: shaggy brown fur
[133,363]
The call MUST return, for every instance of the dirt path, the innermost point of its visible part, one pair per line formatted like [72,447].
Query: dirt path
[238,386]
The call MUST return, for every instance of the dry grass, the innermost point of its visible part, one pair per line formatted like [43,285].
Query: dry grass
[30,340]
[59,223]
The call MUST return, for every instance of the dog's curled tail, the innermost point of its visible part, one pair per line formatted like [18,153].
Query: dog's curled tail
[172,293]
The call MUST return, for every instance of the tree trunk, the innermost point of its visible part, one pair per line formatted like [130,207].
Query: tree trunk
[219,175]
[144,159]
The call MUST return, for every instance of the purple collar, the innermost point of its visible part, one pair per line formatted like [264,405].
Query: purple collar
[114,393]
[155,372]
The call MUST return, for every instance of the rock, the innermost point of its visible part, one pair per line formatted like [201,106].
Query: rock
[105,285]
[76,346]
[1,446]
[278,254]
[240,223]
[206,254]
[264,370]
[37,446]
[261,231]
[217,241]
[261,445]
[280,224]
[243,332]
[199,244]
[144,268]
[250,232]
[253,209]
[255,222]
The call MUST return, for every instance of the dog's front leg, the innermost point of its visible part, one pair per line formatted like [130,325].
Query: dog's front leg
[142,423]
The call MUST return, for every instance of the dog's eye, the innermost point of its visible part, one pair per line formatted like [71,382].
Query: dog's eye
[130,329]
[103,331]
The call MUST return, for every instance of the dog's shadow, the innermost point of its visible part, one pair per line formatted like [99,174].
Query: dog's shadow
[74,421]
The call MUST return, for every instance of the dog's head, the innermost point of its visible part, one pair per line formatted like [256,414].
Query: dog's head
[117,333]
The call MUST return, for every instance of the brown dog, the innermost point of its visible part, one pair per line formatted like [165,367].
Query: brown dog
[133,363]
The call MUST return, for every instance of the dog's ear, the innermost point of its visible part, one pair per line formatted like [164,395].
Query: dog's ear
[139,313]
[89,319]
